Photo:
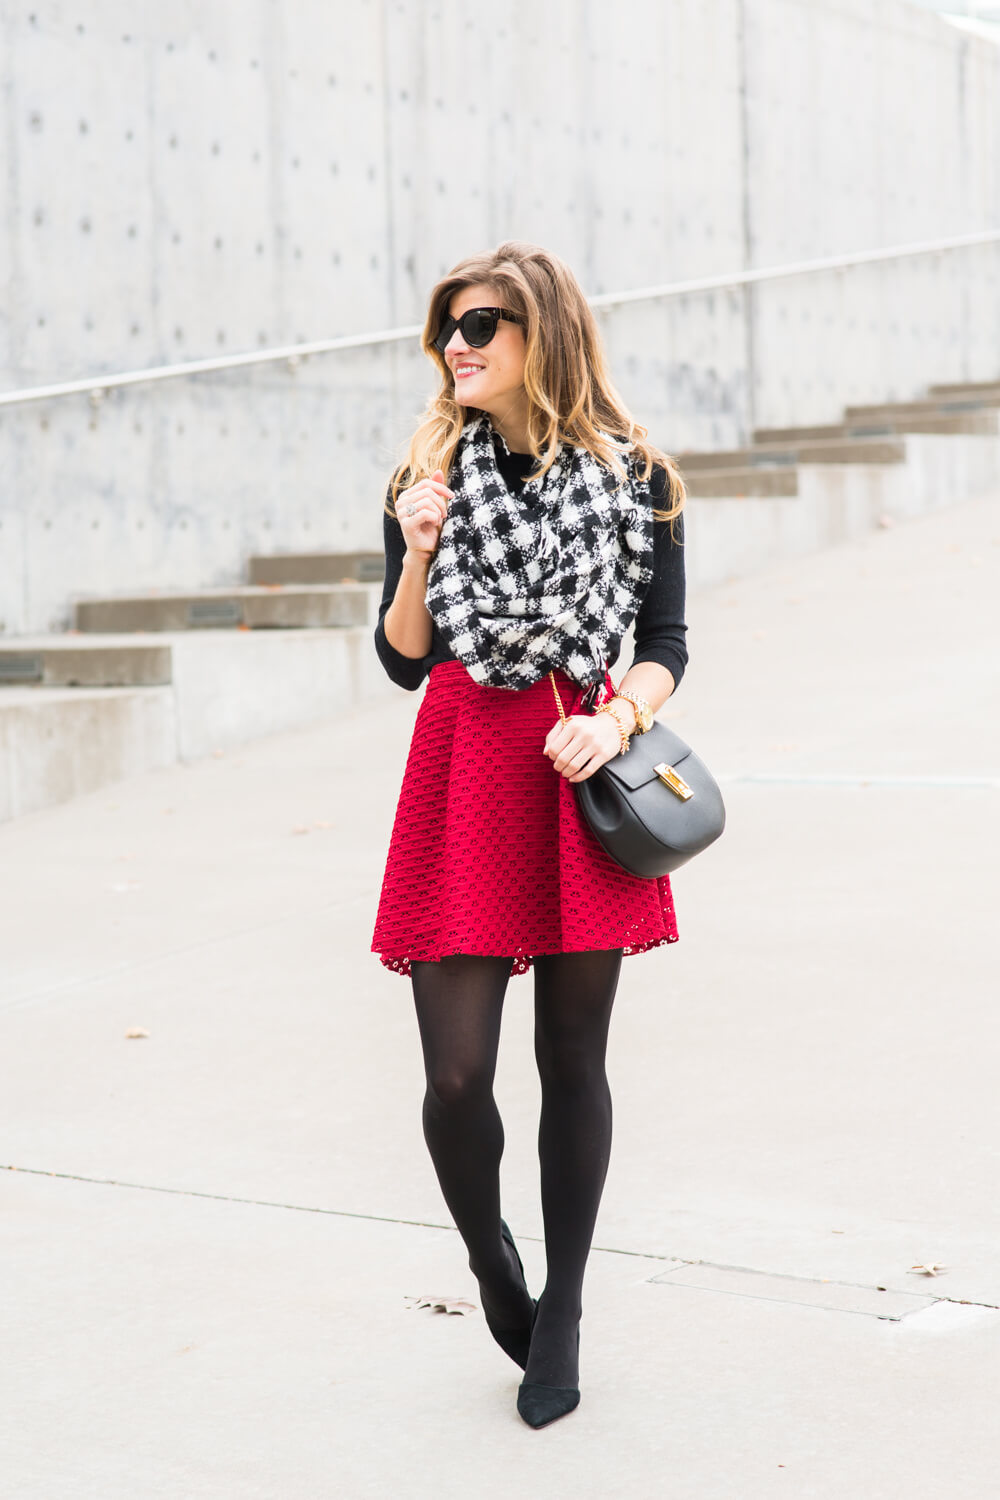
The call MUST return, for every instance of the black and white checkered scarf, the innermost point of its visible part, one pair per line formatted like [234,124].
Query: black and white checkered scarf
[550,578]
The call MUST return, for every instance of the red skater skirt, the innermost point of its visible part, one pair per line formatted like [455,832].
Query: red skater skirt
[489,853]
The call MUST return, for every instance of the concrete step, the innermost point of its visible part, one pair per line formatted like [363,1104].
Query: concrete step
[222,689]
[277,607]
[983,419]
[867,450]
[939,407]
[730,536]
[735,483]
[317,567]
[967,388]
[691,464]
[58,743]
[765,435]
[77,661]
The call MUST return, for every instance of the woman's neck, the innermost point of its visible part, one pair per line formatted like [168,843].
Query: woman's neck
[512,425]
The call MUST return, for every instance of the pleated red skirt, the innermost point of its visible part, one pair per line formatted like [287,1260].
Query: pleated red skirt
[489,853]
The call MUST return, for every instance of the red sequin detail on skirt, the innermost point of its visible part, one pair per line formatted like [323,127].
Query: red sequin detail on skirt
[489,853]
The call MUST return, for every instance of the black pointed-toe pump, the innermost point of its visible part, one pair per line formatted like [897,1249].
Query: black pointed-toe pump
[538,1405]
[514,1342]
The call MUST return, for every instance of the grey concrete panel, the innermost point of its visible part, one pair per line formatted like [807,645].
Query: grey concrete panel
[836,1296]
[878,327]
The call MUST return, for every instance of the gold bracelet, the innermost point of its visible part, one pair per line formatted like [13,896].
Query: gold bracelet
[643,712]
[606,708]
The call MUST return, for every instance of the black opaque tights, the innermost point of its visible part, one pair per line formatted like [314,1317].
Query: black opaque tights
[459,1003]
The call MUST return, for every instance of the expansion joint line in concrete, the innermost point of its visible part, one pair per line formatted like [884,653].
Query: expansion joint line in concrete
[676,1261]
[301,1208]
[153,1187]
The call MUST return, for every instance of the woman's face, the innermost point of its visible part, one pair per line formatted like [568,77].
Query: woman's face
[491,378]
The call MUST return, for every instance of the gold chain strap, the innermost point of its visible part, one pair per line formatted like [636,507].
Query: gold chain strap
[604,709]
[552,679]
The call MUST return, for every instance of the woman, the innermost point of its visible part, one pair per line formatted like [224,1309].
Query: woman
[531,522]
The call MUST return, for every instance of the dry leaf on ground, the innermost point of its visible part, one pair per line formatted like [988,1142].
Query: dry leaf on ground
[136,1031]
[443,1304]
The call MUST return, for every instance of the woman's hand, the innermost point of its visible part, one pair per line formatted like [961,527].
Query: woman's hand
[421,525]
[583,745]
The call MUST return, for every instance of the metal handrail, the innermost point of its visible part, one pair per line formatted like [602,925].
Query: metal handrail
[797,268]
[97,385]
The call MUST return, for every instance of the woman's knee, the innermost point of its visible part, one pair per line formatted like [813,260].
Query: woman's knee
[567,1060]
[452,1086]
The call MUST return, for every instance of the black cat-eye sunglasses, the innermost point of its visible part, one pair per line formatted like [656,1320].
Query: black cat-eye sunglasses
[478,326]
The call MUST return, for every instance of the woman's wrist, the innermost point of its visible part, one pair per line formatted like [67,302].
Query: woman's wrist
[625,712]
[407,623]
[611,710]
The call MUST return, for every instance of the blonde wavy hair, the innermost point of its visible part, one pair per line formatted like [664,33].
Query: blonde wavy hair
[570,395]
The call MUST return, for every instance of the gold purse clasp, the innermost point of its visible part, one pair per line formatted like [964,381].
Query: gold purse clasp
[676,783]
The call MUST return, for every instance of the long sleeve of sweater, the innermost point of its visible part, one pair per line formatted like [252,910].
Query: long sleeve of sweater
[660,629]
[405,671]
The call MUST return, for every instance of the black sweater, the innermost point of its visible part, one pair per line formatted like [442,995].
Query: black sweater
[659,623]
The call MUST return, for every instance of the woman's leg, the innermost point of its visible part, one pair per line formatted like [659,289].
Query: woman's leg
[574,993]
[459,1002]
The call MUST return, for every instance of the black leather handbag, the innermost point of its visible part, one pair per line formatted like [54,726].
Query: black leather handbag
[655,807]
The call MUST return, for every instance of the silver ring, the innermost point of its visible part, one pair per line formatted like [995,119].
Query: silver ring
[410,510]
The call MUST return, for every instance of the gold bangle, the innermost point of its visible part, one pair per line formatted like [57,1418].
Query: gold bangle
[606,708]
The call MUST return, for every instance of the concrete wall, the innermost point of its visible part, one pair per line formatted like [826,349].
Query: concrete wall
[869,124]
[222,175]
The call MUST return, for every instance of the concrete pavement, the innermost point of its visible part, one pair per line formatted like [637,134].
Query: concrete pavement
[211,1232]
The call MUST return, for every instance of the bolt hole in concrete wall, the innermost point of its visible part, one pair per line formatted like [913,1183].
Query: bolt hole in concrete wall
[232,175]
